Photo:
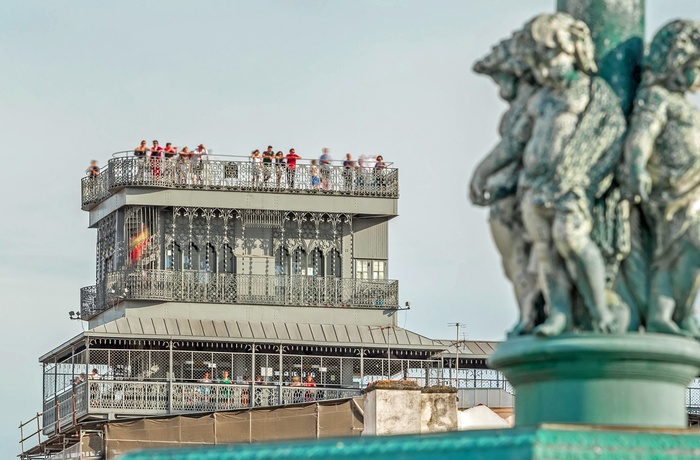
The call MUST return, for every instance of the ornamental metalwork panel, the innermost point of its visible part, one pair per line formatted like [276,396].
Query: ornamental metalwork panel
[124,396]
[304,394]
[193,397]
[95,189]
[692,397]
[237,176]
[207,287]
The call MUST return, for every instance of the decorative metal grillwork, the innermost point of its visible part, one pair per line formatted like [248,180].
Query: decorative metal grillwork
[206,287]
[692,396]
[235,175]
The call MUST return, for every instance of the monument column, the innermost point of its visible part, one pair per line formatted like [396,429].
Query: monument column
[617,29]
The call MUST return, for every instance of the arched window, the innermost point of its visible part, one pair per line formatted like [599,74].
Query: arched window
[299,263]
[211,259]
[282,261]
[316,263]
[227,263]
[192,258]
[334,264]
[173,257]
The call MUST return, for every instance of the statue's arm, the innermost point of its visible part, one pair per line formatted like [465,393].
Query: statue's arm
[507,151]
[646,124]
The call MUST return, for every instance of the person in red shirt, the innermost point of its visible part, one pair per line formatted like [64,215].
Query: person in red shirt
[292,158]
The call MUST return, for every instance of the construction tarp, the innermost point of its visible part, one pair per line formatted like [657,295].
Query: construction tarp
[306,421]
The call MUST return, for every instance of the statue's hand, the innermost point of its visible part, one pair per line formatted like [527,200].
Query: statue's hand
[640,186]
[477,190]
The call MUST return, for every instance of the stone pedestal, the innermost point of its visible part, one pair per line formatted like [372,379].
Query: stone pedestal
[636,380]
[402,407]
[392,409]
[438,410]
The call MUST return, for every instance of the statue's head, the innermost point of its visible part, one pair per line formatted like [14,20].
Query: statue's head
[504,66]
[673,59]
[558,48]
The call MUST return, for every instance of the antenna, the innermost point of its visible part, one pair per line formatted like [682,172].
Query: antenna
[388,345]
[457,326]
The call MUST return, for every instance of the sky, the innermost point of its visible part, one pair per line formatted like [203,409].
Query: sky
[83,79]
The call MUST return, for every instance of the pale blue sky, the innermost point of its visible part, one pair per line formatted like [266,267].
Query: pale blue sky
[84,79]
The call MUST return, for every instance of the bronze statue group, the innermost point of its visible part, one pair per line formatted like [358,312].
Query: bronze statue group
[596,215]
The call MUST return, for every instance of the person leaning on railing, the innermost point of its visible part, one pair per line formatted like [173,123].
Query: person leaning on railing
[267,158]
[141,150]
[94,170]
[156,154]
[183,162]
[292,158]
[279,167]
[349,167]
[255,166]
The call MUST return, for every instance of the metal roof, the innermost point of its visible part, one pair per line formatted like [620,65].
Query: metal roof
[271,332]
[276,332]
[469,348]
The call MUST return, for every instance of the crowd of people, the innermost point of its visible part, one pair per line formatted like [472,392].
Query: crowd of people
[246,380]
[264,165]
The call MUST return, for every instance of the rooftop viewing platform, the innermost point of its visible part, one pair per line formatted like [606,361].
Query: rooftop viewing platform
[364,178]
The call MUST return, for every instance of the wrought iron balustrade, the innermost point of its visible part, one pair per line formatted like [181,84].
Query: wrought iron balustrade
[237,175]
[159,398]
[207,287]
[95,189]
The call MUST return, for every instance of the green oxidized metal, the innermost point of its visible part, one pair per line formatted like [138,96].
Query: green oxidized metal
[545,442]
[625,380]
[617,28]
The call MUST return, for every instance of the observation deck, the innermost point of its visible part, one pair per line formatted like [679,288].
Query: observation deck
[129,180]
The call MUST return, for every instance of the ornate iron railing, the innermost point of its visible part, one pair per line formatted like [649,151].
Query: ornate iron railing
[237,176]
[153,398]
[207,287]
[692,397]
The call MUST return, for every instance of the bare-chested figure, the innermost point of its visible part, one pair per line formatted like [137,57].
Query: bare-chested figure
[494,181]
[573,130]
[662,159]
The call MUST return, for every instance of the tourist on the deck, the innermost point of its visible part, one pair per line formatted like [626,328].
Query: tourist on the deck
[379,172]
[156,154]
[169,150]
[309,382]
[348,171]
[94,170]
[94,375]
[296,381]
[183,162]
[226,378]
[267,157]
[169,154]
[259,380]
[279,166]
[198,156]
[292,158]
[206,378]
[141,150]
[326,160]
[255,166]
[315,176]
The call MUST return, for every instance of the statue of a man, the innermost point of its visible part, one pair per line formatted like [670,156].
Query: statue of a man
[494,182]
[572,140]
[662,165]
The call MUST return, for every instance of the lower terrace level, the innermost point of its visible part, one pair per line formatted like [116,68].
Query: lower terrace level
[113,376]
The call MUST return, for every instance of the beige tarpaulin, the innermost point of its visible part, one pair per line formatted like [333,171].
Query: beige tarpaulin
[307,421]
